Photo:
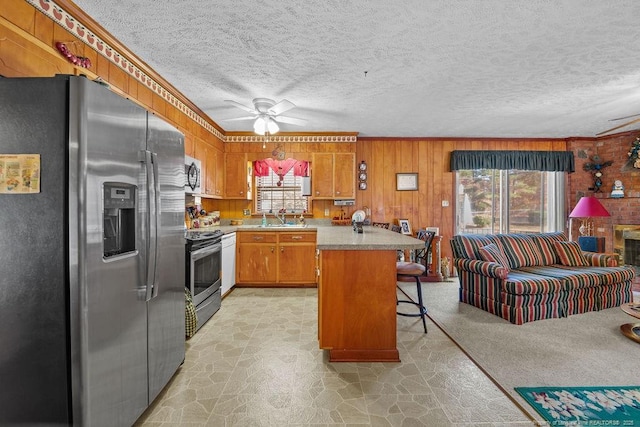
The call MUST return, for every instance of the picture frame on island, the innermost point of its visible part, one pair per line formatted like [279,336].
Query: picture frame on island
[405,226]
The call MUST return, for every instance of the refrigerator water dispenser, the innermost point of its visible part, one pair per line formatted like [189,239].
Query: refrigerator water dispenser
[119,234]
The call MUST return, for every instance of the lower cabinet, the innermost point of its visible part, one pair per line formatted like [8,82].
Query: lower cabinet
[276,258]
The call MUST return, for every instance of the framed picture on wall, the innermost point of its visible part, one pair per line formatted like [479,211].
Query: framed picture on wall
[405,227]
[406,181]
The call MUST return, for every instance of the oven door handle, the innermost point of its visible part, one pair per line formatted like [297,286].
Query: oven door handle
[206,251]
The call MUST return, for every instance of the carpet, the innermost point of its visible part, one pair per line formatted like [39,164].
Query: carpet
[580,350]
[585,406]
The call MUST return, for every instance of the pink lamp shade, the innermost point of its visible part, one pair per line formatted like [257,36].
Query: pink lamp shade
[588,207]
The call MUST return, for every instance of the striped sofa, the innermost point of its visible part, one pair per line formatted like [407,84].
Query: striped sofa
[527,277]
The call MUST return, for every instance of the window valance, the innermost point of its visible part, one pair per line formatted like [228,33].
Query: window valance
[281,167]
[549,161]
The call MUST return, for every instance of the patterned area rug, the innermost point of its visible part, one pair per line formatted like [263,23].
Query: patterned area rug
[588,406]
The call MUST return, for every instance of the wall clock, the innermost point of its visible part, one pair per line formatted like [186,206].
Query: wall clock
[192,176]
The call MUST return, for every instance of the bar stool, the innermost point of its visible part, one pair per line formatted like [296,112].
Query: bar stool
[411,272]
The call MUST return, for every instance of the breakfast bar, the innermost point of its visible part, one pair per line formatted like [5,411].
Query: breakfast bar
[357,292]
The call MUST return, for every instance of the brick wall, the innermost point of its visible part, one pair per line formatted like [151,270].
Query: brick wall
[581,183]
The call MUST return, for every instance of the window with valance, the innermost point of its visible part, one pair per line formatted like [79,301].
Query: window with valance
[510,191]
[279,185]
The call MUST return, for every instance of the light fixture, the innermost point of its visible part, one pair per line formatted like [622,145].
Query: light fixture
[587,208]
[265,124]
[260,126]
[272,126]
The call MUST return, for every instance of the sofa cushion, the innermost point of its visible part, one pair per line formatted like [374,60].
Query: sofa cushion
[522,282]
[570,254]
[606,275]
[545,241]
[492,253]
[520,250]
[467,245]
[573,278]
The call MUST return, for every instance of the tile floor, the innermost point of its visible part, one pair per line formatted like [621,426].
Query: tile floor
[257,363]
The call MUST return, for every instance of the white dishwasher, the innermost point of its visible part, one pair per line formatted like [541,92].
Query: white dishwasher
[228,262]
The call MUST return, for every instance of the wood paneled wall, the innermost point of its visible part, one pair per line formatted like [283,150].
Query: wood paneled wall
[429,158]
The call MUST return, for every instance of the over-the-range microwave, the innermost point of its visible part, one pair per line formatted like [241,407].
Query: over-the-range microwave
[192,175]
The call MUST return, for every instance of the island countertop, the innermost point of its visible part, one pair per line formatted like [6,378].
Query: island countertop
[339,237]
[373,238]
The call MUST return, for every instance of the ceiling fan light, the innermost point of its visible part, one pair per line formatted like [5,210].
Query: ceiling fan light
[272,126]
[259,126]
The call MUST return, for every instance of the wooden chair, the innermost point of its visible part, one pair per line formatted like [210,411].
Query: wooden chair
[411,272]
[381,224]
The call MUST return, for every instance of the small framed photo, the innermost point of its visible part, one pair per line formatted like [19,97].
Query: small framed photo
[406,181]
[434,229]
[405,227]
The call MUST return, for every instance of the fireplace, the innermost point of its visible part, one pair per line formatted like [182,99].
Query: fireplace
[631,247]
[626,243]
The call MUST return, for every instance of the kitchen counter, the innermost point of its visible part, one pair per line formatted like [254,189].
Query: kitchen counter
[331,237]
[372,239]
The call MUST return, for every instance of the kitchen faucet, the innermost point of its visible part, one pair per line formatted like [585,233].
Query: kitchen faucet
[282,219]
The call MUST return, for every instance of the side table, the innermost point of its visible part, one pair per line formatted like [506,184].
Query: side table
[631,330]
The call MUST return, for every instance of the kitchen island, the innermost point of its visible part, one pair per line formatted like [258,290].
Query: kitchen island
[356,288]
[357,292]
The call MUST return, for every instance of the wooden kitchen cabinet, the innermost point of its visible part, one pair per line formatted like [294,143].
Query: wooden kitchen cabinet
[283,258]
[297,258]
[212,169]
[344,185]
[333,175]
[237,176]
[256,258]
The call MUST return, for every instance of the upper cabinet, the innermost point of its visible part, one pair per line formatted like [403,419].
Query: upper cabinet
[212,169]
[238,173]
[333,175]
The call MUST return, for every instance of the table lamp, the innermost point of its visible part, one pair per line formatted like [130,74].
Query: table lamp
[587,208]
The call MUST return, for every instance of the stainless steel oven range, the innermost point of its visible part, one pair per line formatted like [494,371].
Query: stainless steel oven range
[203,271]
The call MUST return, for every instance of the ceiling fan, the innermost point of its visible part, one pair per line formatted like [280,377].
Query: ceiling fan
[622,125]
[267,114]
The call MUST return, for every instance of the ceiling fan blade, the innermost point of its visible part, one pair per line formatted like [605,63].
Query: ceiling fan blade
[281,107]
[237,119]
[240,106]
[290,120]
[618,127]
[625,117]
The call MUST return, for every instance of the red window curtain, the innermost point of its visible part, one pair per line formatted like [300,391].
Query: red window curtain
[280,167]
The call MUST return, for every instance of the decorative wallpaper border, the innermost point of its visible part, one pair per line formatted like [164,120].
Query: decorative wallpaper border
[292,138]
[69,23]
[61,17]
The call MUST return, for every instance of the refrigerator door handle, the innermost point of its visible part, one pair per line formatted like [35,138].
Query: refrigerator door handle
[151,229]
[156,221]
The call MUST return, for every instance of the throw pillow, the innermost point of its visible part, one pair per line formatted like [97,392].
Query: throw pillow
[570,254]
[492,253]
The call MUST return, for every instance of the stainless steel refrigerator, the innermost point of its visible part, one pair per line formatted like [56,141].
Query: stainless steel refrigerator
[91,267]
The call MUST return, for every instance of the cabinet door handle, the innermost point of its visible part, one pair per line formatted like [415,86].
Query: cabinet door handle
[258,237]
[281,249]
[296,237]
[273,249]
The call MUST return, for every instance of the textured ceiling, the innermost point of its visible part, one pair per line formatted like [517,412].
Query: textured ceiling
[406,68]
